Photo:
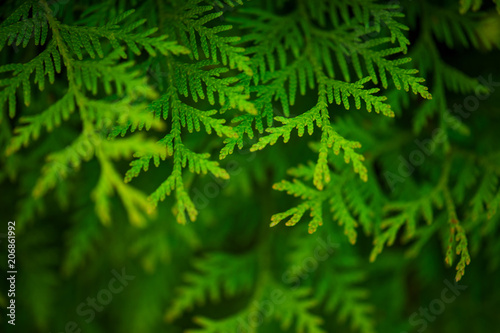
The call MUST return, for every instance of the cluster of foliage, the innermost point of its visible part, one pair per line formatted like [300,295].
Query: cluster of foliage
[378,116]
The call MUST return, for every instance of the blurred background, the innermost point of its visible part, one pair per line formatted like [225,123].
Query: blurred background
[229,271]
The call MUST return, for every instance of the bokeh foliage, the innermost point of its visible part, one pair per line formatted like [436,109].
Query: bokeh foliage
[124,121]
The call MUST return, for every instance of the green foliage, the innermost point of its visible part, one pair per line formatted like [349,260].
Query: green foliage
[93,93]
[474,5]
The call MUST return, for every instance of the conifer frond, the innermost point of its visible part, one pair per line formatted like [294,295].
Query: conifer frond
[197,163]
[269,39]
[47,63]
[25,22]
[191,25]
[313,201]
[484,195]
[155,248]
[293,310]
[79,39]
[343,215]
[81,241]
[409,213]
[340,92]
[89,74]
[363,202]
[61,163]
[49,119]
[218,275]
[97,116]
[348,298]
[186,116]
[110,181]
[452,27]
[445,78]
[297,310]
[173,83]
[335,91]
[344,211]
[230,3]
[458,238]
[192,80]
[369,15]
[402,78]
